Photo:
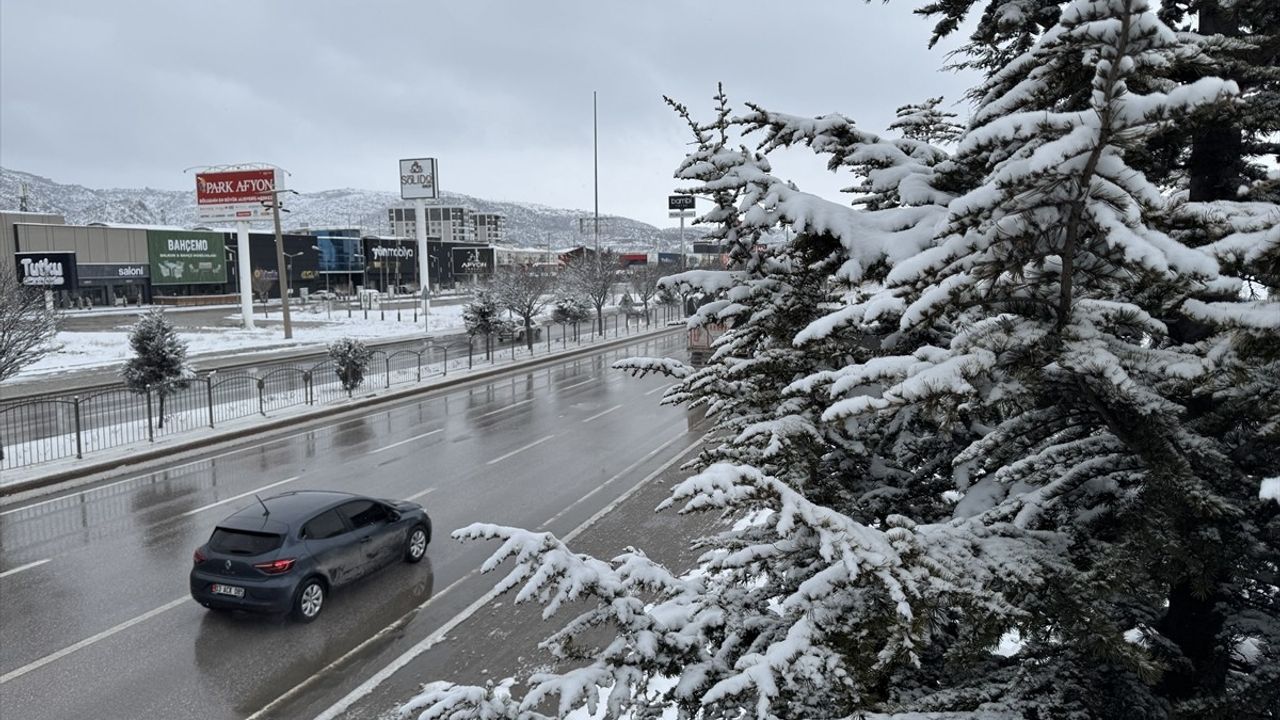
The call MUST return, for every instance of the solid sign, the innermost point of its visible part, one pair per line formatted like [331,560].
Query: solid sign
[473,261]
[48,270]
[186,257]
[680,202]
[418,179]
[236,194]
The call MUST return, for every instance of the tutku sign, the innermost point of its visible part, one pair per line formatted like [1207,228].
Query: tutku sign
[236,194]
[418,179]
[48,270]
[680,202]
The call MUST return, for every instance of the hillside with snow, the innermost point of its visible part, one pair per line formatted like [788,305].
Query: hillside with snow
[527,223]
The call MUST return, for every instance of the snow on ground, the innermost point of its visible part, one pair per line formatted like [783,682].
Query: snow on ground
[98,348]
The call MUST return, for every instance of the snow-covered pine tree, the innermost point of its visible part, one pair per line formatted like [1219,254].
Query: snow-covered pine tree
[350,359]
[159,361]
[926,123]
[482,316]
[1022,489]
[570,310]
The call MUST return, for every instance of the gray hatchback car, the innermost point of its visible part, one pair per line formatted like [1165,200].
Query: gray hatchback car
[285,553]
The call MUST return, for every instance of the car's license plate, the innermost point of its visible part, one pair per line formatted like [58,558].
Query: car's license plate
[231,590]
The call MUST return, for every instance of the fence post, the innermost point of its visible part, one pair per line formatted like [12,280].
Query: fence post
[151,433]
[419,367]
[446,360]
[262,401]
[208,386]
[79,446]
[306,381]
[548,338]
[388,362]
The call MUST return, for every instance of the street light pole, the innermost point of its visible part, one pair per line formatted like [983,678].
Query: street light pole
[281,272]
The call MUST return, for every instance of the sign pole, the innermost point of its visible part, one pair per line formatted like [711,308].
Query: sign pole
[246,279]
[424,261]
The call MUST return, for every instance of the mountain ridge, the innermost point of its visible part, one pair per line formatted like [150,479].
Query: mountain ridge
[528,224]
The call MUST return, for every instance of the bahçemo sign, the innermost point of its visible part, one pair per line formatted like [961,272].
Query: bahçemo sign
[48,270]
[186,257]
[236,194]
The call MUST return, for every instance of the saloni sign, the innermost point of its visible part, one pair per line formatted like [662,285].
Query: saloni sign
[236,194]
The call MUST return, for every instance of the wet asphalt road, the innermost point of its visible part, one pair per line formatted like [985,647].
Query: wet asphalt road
[95,620]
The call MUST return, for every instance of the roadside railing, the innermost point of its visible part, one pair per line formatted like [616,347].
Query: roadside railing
[56,427]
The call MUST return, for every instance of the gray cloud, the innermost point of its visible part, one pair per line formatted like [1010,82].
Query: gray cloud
[129,94]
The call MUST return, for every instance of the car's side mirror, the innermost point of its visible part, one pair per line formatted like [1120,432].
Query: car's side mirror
[395,516]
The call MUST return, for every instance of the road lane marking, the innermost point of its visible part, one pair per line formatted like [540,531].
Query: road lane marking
[601,414]
[602,486]
[237,497]
[417,495]
[442,632]
[517,451]
[503,409]
[402,442]
[13,674]
[577,384]
[661,387]
[20,568]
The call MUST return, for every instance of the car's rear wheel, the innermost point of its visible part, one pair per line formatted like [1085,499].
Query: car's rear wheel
[415,547]
[308,601]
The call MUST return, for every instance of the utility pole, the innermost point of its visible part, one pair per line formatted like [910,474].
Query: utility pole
[281,272]
[595,141]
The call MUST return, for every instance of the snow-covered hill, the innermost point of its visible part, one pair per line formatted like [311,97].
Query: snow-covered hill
[527,223]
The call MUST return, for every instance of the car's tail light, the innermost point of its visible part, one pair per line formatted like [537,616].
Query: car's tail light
[276,567]
[197,558]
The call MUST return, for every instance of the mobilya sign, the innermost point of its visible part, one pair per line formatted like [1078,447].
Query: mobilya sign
[393,252]
[49,270]
[182,257]
[236,194]
[418,180]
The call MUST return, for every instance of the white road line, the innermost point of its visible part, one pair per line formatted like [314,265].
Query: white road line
[417,495]
[508,407]
[601,486]
[12,674]
[577,384]
[657,389]
[402,442]
[431,640]
[517,451]
[20,568]
[601,414]
[237,497]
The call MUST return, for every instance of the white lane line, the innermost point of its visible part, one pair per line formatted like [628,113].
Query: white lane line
[517,451]
[402,442]
[431,640]
[20,568]
[237,497]
[659,388]
[602,486]
[601,414]
[417,495]
[12,674]
[577,384]
[503,409]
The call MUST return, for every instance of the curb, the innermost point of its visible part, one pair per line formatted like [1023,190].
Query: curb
[87,468]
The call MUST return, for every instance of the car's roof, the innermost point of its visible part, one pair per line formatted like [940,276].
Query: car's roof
[289,508]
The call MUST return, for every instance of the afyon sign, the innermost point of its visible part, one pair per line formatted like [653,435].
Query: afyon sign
[186,257]
[48,270]
[236,194]
[473,261]
[418,180]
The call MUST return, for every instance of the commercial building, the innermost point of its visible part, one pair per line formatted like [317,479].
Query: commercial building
[450,224]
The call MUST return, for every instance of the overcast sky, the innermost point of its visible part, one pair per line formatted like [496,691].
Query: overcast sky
[128,94]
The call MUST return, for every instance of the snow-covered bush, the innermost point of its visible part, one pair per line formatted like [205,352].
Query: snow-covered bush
[350,361]
[159,361]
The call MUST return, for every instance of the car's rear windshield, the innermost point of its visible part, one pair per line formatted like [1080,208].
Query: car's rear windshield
[243,542]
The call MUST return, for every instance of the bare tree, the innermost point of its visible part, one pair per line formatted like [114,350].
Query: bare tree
[525,290]
[27,325]
[262,284]
[644,283]
[593,277]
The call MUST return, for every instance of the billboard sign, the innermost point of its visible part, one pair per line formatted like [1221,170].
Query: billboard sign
[339,255]
[236,194]
[47,270]
[186,257]
[418,179]
[473,261]
[680,202]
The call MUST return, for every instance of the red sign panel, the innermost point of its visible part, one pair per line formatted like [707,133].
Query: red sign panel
[234,194]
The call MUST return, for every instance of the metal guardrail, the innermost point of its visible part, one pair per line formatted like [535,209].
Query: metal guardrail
[55,427]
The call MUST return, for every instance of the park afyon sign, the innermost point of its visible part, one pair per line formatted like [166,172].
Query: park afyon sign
[418,180]
[47,270]
[186,257]
[236,194]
